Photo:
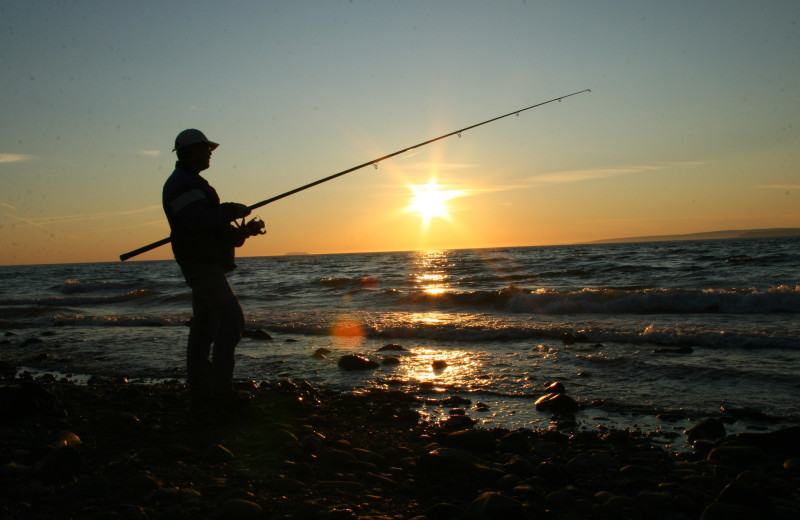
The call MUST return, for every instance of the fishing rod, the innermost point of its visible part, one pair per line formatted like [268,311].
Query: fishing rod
[373,162]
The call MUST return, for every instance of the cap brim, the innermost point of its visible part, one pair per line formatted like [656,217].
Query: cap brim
[211,145]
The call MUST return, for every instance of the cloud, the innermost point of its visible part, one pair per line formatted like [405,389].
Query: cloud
[38,222]
[562,177]
[9,206]
[28,221]
[15,157]
[150,153]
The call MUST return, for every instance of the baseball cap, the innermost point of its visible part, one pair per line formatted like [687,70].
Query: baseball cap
[192,136]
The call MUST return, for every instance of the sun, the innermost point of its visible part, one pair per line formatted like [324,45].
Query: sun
[430,201]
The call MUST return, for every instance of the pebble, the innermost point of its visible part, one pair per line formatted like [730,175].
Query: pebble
[305,453]
[238,509]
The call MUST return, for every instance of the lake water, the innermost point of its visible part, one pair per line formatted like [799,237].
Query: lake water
[643,335]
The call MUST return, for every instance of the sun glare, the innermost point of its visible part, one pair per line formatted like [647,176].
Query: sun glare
[430,201]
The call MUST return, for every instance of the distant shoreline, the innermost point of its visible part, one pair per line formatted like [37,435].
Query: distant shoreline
[708,235]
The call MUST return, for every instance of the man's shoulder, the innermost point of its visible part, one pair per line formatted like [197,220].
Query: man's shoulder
[182,180]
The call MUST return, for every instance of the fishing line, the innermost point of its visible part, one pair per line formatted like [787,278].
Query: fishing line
[373,162]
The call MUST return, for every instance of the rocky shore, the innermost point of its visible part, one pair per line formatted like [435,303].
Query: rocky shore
[289,450]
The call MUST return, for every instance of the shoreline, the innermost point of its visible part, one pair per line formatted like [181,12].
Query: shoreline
[112,449]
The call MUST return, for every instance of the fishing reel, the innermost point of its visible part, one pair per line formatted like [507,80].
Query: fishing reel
[244,231]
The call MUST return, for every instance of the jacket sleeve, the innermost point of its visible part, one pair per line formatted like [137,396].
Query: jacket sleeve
[194,211]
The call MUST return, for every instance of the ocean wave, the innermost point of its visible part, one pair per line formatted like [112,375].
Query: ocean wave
[476,332]
[517,299]
[360,282]
[81,320]
[74,285]
[66,301]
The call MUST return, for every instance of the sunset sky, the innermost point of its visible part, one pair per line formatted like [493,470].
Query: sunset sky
[693,122]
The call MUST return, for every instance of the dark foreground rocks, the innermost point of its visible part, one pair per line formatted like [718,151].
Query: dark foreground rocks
[114,450]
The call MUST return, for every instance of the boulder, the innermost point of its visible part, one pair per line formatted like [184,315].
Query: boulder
[257,334]
[497,505]
[321,352]
[474,440]
[355,362]
[61,465]
[555,388]
[556,403]
[706,430]
[392,347]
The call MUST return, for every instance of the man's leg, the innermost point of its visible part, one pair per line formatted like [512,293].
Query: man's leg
[230,325]
[201,334]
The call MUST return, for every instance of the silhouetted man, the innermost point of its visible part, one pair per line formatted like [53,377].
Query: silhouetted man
[203,241]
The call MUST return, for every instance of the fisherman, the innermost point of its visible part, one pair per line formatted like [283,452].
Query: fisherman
[203,241]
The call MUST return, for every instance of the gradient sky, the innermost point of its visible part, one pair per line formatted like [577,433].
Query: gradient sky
[693,123]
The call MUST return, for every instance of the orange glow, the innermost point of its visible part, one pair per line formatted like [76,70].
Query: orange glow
[347,332]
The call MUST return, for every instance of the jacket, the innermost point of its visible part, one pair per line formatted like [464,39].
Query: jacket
[200,227]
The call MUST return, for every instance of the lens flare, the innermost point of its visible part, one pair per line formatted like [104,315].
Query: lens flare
[347,332]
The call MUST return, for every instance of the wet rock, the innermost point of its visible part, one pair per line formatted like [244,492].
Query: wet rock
[92,487]
[627,507]
[321,352]
[141,483]
[474,440]
[551,474]
[455,400]
[556,403]
[706,430]
[519,466]
[27,398]
[408,416]
[65,438]
[738,455]
[559,499]
[60,465]
[239,509]
[444,462]
[217,454]
[355,362]
[515,442]
[124,422]
[744,413]
[445,511]
[720,511]
[391,362]
[786,440]
[256,334]
[792,466]
[740,494]
[392,347]
[459,421]
[344,485]
[439,364]
[497,505]
[676,350]
[555,388]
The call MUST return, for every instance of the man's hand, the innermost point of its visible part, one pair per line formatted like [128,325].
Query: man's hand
[235,210]
[242,232]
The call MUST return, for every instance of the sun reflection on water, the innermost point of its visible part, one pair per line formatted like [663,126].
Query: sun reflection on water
[430,271]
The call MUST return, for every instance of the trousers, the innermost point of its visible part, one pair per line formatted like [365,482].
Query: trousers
[217,320]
